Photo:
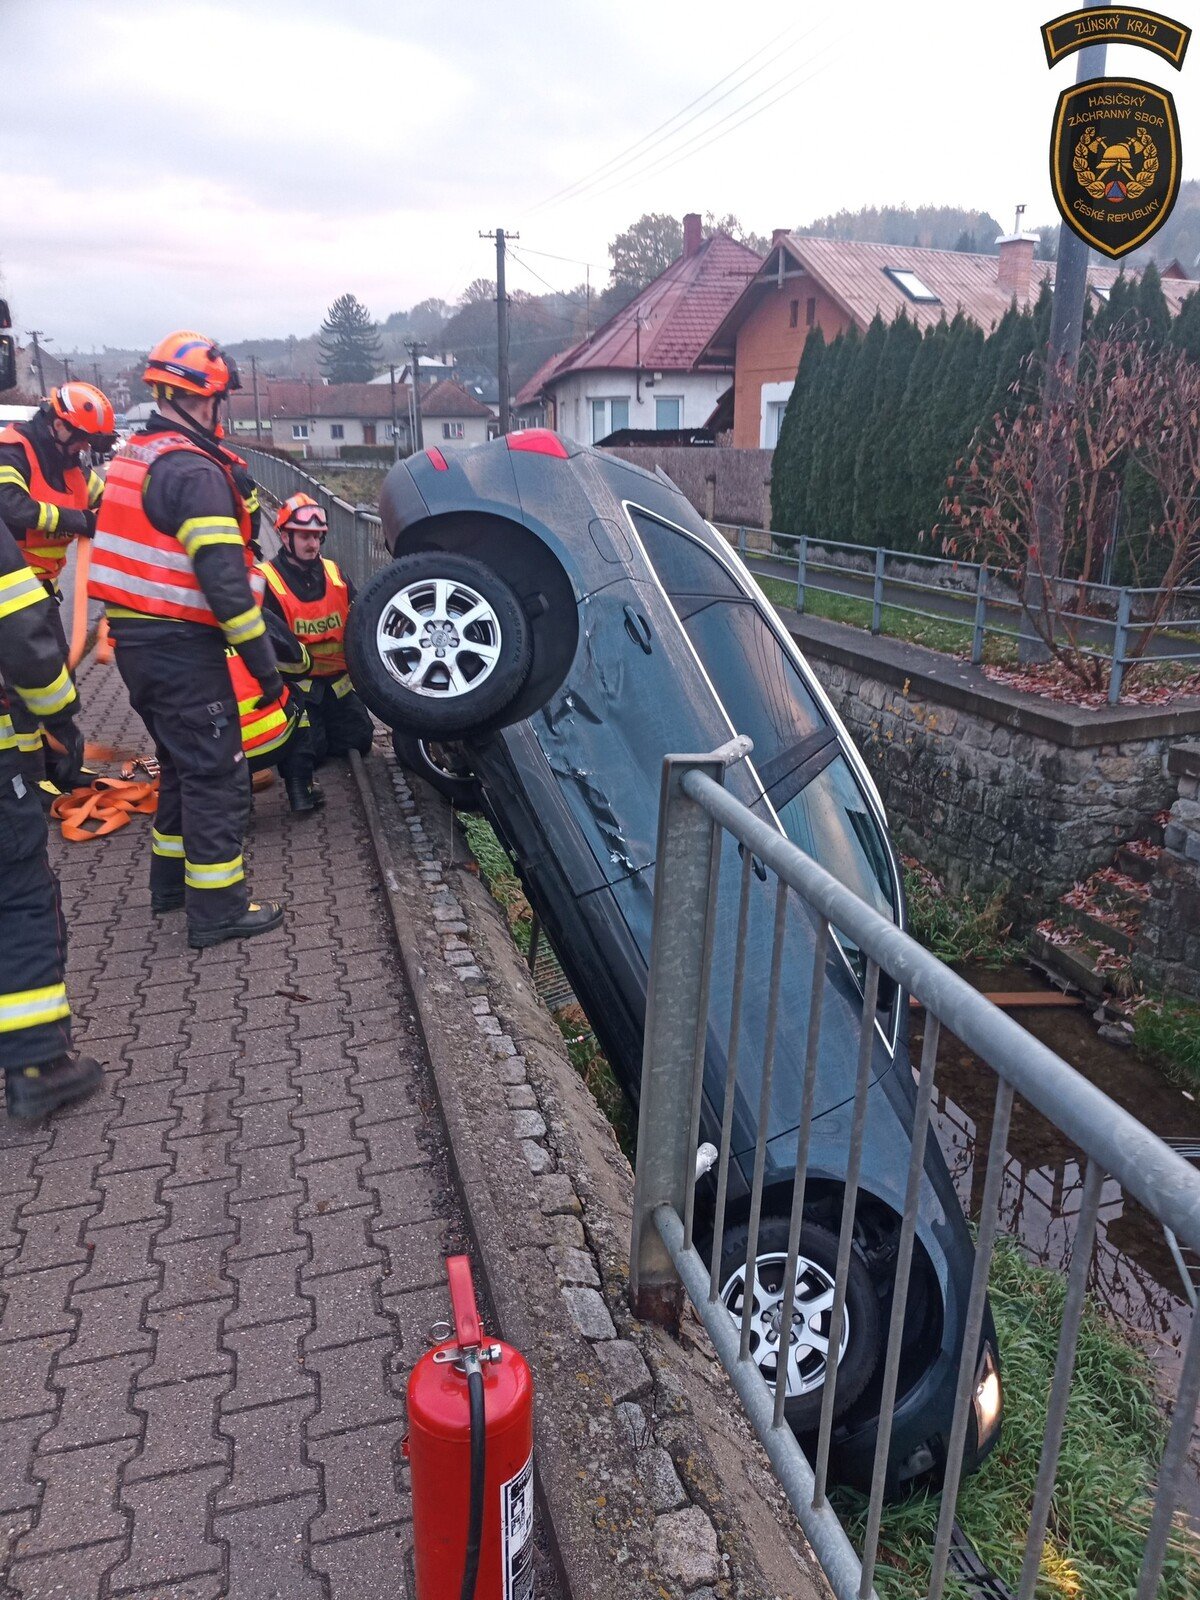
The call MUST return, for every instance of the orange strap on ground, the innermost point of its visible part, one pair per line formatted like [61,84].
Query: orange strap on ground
[103,807]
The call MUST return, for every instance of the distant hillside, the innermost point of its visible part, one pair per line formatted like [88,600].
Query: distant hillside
[935,227]
[1179,237]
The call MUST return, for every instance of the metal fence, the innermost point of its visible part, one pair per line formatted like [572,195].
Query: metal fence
[355,537]
[697,815]
[973,601]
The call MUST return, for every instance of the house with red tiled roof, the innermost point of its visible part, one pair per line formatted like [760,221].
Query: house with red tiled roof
[833,284]
[319,420]
[638,370]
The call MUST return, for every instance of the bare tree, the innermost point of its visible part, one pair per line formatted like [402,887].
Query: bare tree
[1127,407]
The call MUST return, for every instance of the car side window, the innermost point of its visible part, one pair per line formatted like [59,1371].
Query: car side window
[684,567]
[760,686]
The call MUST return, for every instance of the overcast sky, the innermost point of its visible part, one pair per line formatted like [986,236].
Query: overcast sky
[235,164]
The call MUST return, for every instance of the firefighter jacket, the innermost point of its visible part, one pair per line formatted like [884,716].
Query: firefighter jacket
[266,726]
[314,600]
[32,664]
[45,503]
[172,547]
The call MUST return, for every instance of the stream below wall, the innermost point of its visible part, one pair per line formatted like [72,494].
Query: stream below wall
[1133,1274]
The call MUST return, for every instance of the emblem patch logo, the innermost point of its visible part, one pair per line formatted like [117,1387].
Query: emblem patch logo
[1115,161]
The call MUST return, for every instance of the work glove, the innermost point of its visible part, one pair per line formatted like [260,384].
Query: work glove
[89,525]
[272,688]
[64,754]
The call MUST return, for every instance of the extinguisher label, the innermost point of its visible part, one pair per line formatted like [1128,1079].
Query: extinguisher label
[516,1522]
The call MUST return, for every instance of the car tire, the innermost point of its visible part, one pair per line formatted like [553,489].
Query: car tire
[862,1335]
[442,766]
[411,664]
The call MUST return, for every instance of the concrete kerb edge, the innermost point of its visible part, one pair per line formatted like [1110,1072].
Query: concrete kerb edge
[727,1498]
[482,1221]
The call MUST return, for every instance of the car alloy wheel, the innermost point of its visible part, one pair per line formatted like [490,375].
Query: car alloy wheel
[812,1315]
[439,638]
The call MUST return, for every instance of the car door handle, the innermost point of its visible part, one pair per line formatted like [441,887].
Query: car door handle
[637,628]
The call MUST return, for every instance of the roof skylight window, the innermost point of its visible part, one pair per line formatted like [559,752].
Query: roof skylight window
[912,285]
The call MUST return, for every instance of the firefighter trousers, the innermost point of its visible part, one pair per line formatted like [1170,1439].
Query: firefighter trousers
[27,727]
[35,1019]
[183,694]
[338,724]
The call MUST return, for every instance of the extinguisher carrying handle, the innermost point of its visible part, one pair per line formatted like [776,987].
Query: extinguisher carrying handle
[468,1330]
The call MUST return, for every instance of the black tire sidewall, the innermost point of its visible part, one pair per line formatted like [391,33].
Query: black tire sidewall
[411,753]
[819,1246]
[401,708]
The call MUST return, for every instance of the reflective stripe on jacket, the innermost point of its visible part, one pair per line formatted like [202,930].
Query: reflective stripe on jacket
[135,566]
[320,625]
[264,728]
[44,548]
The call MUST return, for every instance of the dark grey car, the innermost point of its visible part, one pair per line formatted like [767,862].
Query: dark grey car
[569,620]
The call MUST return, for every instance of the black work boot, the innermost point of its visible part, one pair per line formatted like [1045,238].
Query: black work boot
[31,1092]
[303,794]
[257,918]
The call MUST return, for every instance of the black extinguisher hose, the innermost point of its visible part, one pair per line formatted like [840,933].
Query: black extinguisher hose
[478,1466]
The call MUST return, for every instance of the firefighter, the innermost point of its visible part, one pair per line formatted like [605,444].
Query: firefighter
[313,597]
[270,731]
[172,564]
[48,498]
[40,1070]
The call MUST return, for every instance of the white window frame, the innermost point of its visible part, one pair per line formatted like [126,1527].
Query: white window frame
[454,430]
[300,432]
[660,399]
[770,419]
[911,284]
[337,430]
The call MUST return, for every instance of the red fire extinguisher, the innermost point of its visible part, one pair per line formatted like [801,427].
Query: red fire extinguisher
[470,1446]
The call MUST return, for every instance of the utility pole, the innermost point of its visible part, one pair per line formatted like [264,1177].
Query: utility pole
[395,419]
[96,375]
[414,348]
[66,370]
[1062,361]
[501,325]
[35,334]
[257,409]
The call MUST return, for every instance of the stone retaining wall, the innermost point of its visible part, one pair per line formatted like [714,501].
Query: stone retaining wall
[1168,953]
[988,787]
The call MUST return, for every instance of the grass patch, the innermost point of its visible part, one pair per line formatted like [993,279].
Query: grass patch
[935,633]
[957,928]
[359,486]
[583,1048]
[1169,1031]
[1103,1496]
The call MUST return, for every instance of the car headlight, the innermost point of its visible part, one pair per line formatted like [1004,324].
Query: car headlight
[988,1399]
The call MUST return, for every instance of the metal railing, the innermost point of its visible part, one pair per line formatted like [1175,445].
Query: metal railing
[974,601]
[696,817]
[355,537]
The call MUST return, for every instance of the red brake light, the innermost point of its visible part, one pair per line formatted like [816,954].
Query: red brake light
[539,442]
[438,459]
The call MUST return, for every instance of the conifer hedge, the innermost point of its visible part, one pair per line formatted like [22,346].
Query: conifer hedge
[876,421]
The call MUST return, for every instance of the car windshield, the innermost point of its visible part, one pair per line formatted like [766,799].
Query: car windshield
[807,781]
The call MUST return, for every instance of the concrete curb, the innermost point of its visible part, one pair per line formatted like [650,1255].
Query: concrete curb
[651,1481]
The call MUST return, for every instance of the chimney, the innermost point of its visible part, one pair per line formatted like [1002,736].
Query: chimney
[1015,267]
[779,235]
[692,239]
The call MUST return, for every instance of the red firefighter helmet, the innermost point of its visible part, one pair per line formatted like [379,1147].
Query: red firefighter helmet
[85,410]
[193,363]
[301,511]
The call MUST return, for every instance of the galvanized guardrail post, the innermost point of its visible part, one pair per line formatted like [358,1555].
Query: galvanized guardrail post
[801,571]
[980,629]
[877,592]
[1120,645]
[681,941]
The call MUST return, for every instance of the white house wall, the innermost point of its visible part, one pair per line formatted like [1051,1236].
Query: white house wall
[574,393]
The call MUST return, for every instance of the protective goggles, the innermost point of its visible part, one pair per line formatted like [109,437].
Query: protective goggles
[308,519]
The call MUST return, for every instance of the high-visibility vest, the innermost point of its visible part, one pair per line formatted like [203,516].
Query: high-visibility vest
[45,549]
[320,625]
[264,728]
[137,568]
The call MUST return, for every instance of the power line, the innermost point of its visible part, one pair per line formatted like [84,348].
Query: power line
[630,151]
[674,157]
[562,294]
[574,261]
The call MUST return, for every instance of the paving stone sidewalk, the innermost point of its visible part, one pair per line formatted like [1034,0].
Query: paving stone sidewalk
[215,1274]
